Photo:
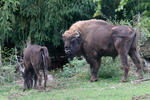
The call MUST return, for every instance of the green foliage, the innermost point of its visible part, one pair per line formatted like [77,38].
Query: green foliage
[62,13]
[121,5]
[7,17]
[72,68]
[78,69]
[121,9]
[7,74]
[98,9]
[43,21]
[110,68]
[106,9]
[142,27]
[142,8]
[7,69]
[121,22]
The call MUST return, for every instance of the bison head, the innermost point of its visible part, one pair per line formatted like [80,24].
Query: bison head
[28,81]
[72,43]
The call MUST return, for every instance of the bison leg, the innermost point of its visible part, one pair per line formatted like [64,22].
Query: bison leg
[123,45]
[94,67]
[35,81]
[30,81]
[134,56]
[25,83]
[45,78]
[123,53]
[26,80]
[36,70]
[39,79]
[125,63]
[45,72]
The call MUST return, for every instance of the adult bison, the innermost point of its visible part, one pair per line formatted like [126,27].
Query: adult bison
[35,58]
[96,38]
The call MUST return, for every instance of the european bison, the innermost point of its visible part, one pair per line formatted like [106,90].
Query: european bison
[35,58]
[97,38]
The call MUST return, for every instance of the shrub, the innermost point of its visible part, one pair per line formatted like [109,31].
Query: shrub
[72,68]
[79,69]
[8,67]
[110,68]
[7,74]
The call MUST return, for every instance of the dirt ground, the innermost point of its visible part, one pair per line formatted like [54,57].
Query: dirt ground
[51,80]
[142,97]
[51,84]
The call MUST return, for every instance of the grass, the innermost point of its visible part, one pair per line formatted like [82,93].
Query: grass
[104,89]
[73,84]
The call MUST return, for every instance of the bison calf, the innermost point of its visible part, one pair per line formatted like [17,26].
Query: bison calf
[35,58]
[96,38]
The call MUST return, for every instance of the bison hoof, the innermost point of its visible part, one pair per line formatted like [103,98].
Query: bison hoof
[140,77]
[35,87]
[93,79]
[123,80]
[23,90]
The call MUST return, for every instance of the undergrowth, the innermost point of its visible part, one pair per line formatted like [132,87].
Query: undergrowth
[80,70]
[8,66]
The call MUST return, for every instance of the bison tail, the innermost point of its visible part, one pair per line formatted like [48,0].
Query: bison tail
[44,61]
[133,44]
[43,58]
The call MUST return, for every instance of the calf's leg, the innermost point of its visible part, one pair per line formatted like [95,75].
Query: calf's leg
[35,80]
[36,70]
[45,72]
[25,79]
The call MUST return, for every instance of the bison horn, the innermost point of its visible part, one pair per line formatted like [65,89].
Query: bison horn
[77,34]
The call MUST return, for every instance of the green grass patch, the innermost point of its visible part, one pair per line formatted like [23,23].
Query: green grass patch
[72,83]
[104,89]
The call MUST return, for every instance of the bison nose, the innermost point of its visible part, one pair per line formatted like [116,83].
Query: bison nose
[67,51]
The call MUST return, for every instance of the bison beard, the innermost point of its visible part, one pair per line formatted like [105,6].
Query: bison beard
[35,58]
[96,38]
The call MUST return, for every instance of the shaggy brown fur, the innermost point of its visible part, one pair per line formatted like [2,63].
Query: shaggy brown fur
[96,38]
[78,26]
[35,58]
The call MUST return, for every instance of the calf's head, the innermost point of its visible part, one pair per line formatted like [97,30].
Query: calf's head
[28,81]
[72,43]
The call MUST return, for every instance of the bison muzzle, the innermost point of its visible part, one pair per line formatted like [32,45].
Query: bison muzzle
[97,38]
